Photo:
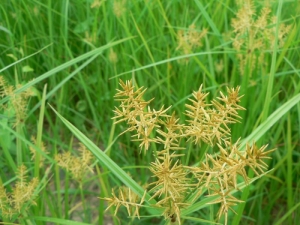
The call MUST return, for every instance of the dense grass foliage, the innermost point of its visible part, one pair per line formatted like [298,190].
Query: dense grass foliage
[60,66]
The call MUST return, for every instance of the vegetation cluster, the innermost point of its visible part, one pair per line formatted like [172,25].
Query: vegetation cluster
[214,139]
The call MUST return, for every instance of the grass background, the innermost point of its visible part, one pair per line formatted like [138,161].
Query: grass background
[72,42]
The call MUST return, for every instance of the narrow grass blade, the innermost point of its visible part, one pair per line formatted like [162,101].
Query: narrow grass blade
[287,214]
[59,221]
[40,132]
[199,220]
[204,203]
[270,121]
[106,161]
[65,80]
[64,66]
[20,60]
[170,60]
[271,76]
[25,141]
[209,20]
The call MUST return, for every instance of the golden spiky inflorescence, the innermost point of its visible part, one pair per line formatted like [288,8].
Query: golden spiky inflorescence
[255,32]
[21,197]
[208,123]
[78,166]
[219,174]
[190,39]
[171,185]
[135,111]
[17,104]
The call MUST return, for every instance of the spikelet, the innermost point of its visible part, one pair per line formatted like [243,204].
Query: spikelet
[138,115]
[21,197]
[78,166]
[17,104]
[189,40]
[206,123]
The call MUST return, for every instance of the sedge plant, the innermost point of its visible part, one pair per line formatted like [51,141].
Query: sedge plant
[16,200]
[176,185]
[254,33]
[263,49]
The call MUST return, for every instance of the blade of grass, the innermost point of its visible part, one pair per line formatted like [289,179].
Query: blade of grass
[170,60]
[270,121]
[54,90]
[20,60]
[64,66]
[279,222]
[59,221]
[289,178]
[5,140]
[26,142]
[209,20]
[273,67]
[40,133]
[199,220]
[39,143]
[205,202]
[106,161]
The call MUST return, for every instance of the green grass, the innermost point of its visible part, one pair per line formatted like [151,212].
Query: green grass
[74,75]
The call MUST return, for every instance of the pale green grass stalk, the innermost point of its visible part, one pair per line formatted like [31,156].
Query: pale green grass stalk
[40,133]
[273,66]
